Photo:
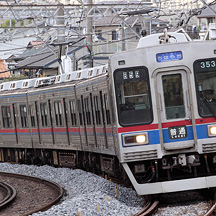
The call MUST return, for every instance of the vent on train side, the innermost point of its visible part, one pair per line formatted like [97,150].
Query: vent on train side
[140,155]
[209,147]
[4,86]
[45,81]
[28,83]
[61,78]
[15,85]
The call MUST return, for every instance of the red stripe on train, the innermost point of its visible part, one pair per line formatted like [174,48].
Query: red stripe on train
[61,130]
[23,130]
[138,128]
[205,120]
[34,130]
[73,130]
[45,130]
[7,130]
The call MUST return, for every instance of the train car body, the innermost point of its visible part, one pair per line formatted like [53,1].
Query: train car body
[150,114]
[160,99]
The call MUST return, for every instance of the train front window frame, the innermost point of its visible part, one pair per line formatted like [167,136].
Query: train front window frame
[173,96]
[133,96]
[205,81]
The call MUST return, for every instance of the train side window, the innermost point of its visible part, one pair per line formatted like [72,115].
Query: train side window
[6,116]
[58,113]
[44,114]
[32,116]
[87,111]
[133,96]
[107,111]
[23,116]
[97,110]
[80,111]
[73,112]
[173,96]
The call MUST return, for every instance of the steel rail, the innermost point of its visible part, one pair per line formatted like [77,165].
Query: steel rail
[211,210]
[149,208]
[10,194]
[55,186]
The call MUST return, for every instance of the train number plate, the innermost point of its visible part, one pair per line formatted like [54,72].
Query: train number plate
[177,132]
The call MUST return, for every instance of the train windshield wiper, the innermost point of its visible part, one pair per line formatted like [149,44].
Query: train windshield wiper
[209,107]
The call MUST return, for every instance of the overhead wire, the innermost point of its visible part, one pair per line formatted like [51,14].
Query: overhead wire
[100,44]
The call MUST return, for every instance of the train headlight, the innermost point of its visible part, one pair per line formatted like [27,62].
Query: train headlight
[212,130]
[141,138]
[135,139]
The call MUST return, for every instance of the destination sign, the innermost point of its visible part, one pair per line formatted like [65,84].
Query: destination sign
[177,132]
[169,56]
[205,65]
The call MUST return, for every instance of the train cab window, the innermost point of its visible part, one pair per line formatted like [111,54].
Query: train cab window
[205,76]
[44,114]
[107,111]
[133,96]
[173,96]
[97,110]
[32,116]
[6,116]
[73,113]
[23,116]
[58,113]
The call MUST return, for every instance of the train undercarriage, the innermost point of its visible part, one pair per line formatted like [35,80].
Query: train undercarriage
[93,162]
[169,168]
[174,167]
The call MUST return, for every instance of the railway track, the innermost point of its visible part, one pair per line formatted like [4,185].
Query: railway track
[33,194]
[150,207]
[8,194]
[211,211]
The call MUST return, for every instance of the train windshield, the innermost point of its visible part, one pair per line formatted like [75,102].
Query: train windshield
[205,74]
[133,96]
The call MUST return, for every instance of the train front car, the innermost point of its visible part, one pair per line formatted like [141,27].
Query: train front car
[165,113]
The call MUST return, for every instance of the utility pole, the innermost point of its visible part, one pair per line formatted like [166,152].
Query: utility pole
[123,37]
[61,34]
[89,33]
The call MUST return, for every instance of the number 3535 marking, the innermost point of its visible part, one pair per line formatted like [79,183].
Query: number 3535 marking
[207,64]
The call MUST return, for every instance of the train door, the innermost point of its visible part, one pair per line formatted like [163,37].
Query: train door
[16,120]
[51,121]
[90,130]
[82,121]
[33,124]
[174,110]
[9,136]
[60,129]
[108,123]
[46,132]
[100,132]
[37,121]
[74,116]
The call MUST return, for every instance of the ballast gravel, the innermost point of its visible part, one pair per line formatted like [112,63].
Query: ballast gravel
[90,195]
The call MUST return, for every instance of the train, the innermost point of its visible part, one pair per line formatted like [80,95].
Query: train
[149,116]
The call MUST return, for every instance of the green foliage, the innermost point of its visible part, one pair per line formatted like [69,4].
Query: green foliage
[14,78]
[7,23]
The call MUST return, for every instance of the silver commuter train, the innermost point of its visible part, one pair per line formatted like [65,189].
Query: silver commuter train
[153,113]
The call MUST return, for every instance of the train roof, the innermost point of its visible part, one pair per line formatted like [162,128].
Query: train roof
[46,81]
[162,38]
